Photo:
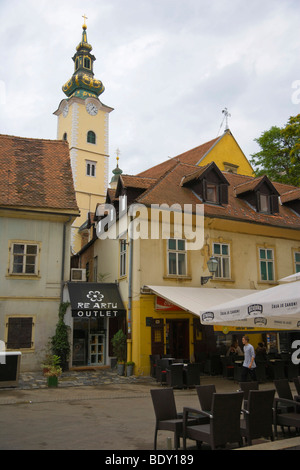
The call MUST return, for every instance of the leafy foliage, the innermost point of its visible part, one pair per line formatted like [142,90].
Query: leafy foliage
[119,346]
[60,341]
[279,157]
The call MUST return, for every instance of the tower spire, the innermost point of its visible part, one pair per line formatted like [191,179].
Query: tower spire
[82,84]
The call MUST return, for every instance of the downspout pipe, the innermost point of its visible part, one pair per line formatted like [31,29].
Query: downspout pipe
[129,312]
[63,258]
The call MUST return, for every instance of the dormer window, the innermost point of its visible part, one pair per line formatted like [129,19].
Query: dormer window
[260,194]
[212,193]
[264,203]
[209,184]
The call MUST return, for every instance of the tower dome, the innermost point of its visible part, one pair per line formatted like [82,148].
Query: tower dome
[82,83]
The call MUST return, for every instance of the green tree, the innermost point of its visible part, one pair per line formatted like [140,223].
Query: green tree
[279,157]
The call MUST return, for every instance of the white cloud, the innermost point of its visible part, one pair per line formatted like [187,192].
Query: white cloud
[169,68]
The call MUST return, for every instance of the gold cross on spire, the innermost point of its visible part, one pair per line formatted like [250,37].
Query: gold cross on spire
[85,18]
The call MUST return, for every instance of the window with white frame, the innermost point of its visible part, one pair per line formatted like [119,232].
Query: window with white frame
[297,261]
[177,257]
[24,258]
[123,257]
[90,168]
[266,264]
[221,251]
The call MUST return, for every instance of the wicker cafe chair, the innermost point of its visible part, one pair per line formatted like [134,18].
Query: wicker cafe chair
[246,387]
[161,370]
[297,384]
[192,374]
[175,375]
[205,395]
[284,391]
[258,417]
[224,421]
[167,418]
[290,419]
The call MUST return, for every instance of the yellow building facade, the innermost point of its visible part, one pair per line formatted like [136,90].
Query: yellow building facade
[228,156]
[254,247]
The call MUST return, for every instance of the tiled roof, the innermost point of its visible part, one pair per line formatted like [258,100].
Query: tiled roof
[36,173]
[290,195]
[191,157]
[168,189]
[137,181]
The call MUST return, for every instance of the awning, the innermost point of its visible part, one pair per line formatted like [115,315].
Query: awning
[291,278]
[211,305]
[95,300]
[277,307]
[195,299]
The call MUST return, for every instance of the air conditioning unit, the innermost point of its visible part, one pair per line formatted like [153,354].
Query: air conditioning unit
[78,274]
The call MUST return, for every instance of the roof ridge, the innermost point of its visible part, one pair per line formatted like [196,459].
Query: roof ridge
[33,138]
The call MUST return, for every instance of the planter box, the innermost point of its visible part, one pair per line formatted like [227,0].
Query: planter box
[52,381]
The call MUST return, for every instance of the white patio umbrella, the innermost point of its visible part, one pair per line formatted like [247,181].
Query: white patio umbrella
[291,278]
[277,307]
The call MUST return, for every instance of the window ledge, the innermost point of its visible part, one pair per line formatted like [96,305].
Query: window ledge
[178,276]
[23,276]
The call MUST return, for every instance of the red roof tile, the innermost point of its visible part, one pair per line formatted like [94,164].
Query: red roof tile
[36,173]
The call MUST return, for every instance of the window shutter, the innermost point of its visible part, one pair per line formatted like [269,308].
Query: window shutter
[204,189]
[274,204]
[258,201]
[19,333]
[224,194]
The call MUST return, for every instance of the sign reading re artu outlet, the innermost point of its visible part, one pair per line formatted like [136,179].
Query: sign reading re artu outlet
[95,300]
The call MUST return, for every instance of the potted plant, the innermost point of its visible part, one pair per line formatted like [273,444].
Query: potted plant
[129,368]
[53,370]
[60,344]
[119,348]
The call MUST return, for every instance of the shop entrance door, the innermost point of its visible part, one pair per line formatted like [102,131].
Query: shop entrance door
[177,337]
[157,336]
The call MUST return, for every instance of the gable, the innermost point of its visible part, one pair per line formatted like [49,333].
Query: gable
[228,156]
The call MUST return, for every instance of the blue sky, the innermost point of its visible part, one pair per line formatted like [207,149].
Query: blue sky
[169,68]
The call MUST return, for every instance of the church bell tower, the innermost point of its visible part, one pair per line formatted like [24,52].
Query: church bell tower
[83,120]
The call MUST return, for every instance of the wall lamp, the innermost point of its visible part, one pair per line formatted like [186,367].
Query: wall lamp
[212,265]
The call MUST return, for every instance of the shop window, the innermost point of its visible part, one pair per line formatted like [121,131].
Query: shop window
[221,251]
[91,137]
[24,258]
[266,264]
[177,262]
[19,333]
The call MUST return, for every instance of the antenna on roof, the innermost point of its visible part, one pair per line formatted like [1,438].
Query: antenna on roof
[226,116]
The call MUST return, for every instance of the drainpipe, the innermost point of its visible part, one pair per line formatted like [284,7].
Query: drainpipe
[129,314]
[63,258]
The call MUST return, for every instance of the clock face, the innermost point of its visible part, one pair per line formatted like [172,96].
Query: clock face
[65,110]
[92,109]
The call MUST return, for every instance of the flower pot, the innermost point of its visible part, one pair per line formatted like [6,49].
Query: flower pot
[129,370]
[52,381]
[121,369]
